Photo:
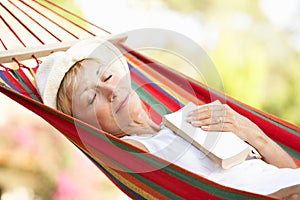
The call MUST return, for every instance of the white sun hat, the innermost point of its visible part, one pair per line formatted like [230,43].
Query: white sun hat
[52,70]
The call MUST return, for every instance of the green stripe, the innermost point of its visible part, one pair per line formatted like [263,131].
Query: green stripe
[254,112]
[149,99]
[270,120]
[4,85]
[182,176]
[290,151]
[191,180]
[289,129]
[137,176]
[208,187]
[137,154]
[24,85]
[160,165]
[151,184]
[234,102]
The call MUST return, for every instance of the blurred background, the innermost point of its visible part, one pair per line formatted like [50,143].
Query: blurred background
[254,44]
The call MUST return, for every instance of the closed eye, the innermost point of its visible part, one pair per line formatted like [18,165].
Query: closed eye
[107,78]
[93,99]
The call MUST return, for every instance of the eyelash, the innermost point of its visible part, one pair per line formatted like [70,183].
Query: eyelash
[107,78]
[93,99]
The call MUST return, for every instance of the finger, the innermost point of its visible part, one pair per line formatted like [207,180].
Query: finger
[207,110]
[205,122]
[212,117]
[220,121]
[217,127]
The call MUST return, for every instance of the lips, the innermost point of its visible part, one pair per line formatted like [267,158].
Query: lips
[122,104]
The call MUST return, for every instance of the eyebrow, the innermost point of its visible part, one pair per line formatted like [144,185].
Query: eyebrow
[98,70]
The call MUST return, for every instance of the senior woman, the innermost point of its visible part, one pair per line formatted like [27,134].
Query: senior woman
[91,81]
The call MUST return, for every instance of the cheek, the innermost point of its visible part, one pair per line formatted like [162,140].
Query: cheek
[104,118]
[114,123]
[108,122]
[135,106]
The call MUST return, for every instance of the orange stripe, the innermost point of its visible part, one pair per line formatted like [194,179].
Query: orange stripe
[125,177]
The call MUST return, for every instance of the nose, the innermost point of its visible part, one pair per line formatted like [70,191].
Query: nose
[108,91]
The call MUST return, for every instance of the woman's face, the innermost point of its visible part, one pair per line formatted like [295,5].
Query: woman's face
[103,96]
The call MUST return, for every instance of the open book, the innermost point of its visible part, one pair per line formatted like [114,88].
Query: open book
[225,148]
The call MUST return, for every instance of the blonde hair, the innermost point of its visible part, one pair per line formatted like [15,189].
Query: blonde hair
[64,94]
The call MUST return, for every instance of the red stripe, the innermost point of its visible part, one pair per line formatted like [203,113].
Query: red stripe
[127,176]
[277,119]
[274,131]
[156,175]
[14,81]
[155,92]
[126,159]
[155,116]
[202,92]
[28,82]
[136,165]
[160,76]
[169,182]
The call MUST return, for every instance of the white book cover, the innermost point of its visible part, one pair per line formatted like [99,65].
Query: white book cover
[225,148]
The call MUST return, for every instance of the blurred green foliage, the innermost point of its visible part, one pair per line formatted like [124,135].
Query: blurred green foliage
[255,58]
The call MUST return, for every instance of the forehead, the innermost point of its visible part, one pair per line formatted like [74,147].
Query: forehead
[95,66]
[91,71]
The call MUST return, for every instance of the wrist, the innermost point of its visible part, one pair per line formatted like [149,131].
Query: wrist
[258,140]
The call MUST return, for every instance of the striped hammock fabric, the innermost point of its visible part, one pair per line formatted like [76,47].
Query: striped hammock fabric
[140,176]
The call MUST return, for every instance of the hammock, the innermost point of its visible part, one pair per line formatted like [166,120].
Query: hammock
[140,176]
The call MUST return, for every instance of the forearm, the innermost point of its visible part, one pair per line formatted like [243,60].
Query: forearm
[291,192]
[271,152]
[224,118]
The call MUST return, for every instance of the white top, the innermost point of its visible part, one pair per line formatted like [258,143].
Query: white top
[252,175]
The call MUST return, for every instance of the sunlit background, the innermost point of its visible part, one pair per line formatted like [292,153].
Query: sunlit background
[254,44]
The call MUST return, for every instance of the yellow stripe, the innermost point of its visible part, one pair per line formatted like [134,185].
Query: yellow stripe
[123,180]
[130,185]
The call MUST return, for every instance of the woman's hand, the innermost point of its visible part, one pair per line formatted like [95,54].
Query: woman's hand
[224,119]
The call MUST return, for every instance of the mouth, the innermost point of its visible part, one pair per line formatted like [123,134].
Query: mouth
[122,104]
